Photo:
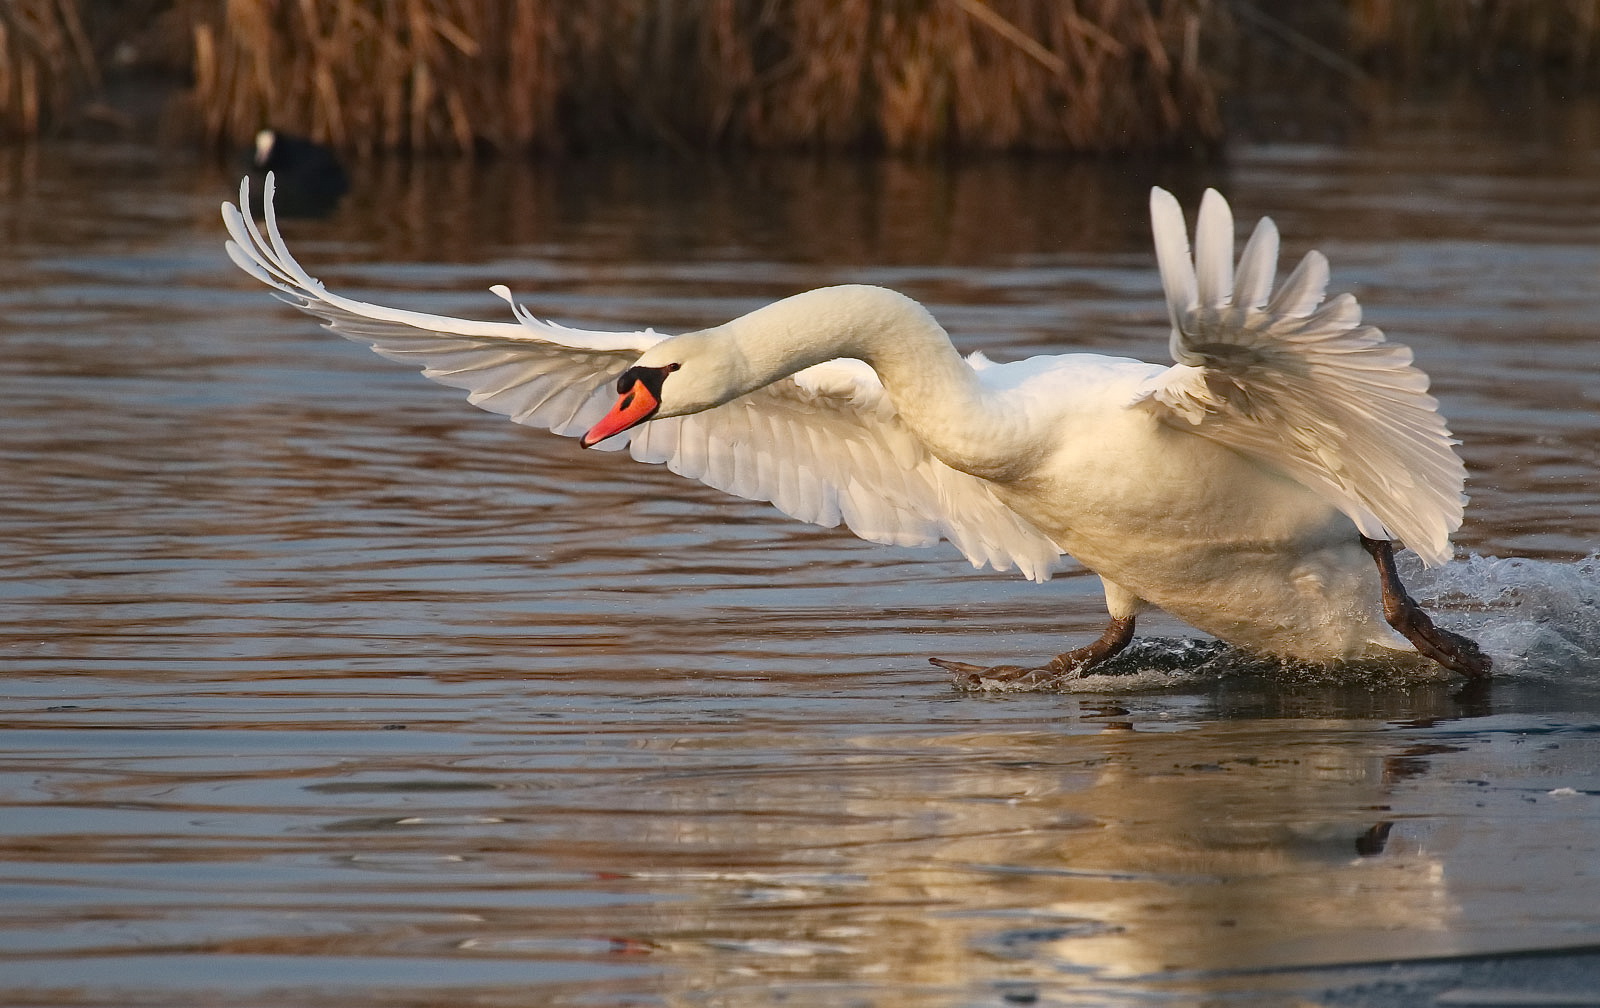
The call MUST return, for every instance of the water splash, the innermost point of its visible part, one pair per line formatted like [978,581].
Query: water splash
[1535,618]
[1538,620]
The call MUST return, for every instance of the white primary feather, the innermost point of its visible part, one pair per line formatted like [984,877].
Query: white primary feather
[824,445]
[1308,390]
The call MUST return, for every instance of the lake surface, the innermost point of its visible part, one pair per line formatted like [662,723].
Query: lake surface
[324,688]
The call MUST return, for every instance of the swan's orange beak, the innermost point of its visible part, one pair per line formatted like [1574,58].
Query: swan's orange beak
[634,407]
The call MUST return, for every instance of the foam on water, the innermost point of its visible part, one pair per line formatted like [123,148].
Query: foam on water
[1535,618]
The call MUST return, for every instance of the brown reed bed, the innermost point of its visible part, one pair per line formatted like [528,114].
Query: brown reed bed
[1558,40]
[901,75]
[45,61]
[910,75]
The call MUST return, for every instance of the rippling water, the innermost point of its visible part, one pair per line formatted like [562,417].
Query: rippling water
[324,688]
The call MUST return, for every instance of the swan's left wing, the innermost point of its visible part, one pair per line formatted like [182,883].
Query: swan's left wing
[824,446]
[1301,385]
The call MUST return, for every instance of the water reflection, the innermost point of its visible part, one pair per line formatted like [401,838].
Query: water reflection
[320,682]
[767,843]
[1072,861]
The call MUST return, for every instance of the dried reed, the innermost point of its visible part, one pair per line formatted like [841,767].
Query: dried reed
[904,75]
[546,74]
[1485,38]
[45,59]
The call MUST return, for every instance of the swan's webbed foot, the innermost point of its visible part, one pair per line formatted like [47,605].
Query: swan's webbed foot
[1453,651]
[1068,665]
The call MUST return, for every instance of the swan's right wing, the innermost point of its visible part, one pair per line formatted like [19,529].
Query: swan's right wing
[824,446]
[827,446]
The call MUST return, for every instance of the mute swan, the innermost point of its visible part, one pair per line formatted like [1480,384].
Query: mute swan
[1255,489]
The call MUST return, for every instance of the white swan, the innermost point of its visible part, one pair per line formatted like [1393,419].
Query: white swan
[1247,490]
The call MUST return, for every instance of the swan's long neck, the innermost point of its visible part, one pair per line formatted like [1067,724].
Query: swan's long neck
[934,389]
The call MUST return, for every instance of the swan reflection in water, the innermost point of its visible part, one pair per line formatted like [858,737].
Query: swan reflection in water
[1106,852]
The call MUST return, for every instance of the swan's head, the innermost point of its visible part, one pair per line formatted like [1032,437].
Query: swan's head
[678,376]
[699,370]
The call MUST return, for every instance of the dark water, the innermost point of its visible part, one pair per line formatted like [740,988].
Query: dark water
[323,688]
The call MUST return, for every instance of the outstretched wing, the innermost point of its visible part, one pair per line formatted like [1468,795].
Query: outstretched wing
[824,446]
[1301,385]
[534,372]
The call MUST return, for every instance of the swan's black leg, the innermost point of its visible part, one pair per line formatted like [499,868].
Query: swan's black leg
[1453,651]
[1075,662]
[1116,637]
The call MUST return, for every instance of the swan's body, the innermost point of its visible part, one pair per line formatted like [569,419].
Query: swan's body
[1233,490]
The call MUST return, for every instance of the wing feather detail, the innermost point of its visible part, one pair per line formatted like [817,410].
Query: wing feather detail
[824,446]
[1301,384]
[537,373]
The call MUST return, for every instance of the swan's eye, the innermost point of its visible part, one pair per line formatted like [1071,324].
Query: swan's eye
[652,378]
